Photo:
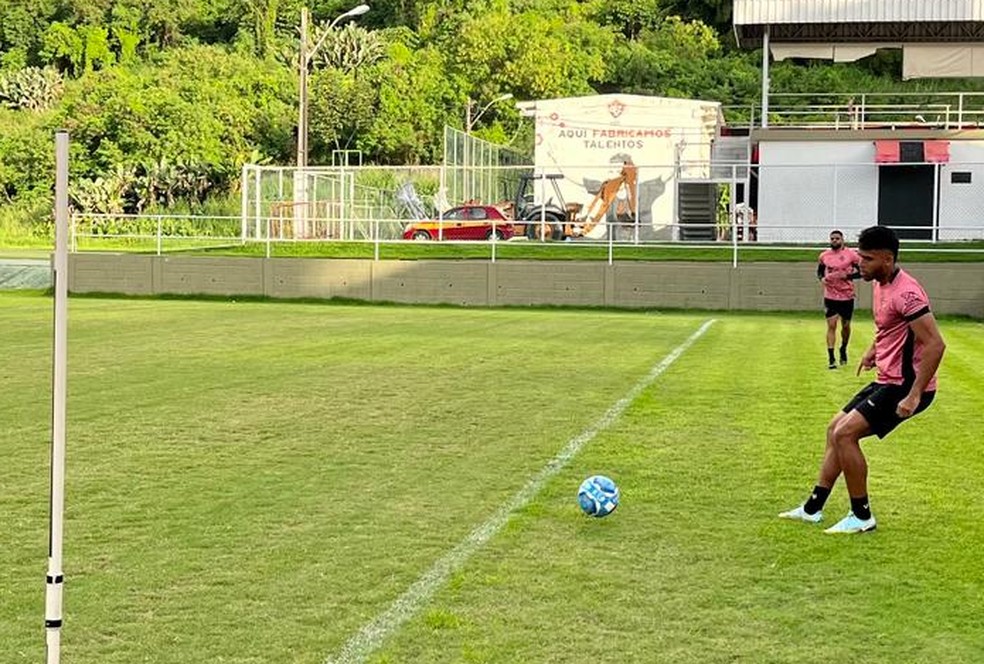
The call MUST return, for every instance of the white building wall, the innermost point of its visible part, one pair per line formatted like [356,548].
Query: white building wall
[586,140]
[806,189]
[961,213]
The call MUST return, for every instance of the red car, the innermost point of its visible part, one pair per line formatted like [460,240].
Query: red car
[465,222]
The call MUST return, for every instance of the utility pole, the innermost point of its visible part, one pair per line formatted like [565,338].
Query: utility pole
[302,152]
[303,62]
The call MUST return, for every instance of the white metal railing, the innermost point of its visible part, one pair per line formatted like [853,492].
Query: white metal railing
[137,229]
[867,110]
[734,235]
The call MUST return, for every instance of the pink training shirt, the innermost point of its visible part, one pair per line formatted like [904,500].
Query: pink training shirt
[838,266]
[897,352]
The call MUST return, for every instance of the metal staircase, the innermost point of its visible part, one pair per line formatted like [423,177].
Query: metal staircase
[700,182]
[696,210]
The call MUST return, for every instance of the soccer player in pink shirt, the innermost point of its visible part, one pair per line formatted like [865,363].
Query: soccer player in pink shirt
[837,268]
[907,352]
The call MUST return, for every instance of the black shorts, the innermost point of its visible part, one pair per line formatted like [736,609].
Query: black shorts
[877,403]
[842,308]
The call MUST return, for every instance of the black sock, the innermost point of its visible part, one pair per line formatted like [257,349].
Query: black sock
[861,508]
[844,351]
[816,500]
[830,355]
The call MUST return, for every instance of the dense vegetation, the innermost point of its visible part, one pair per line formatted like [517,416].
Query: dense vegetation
[166,101]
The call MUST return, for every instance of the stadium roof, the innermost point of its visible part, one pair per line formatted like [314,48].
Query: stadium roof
[761,12]
[846,21]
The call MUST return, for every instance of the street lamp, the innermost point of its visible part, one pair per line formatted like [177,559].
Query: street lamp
[304,63]
[469,123]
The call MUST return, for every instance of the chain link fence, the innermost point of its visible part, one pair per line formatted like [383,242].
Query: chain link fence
[336,203]
[474,167]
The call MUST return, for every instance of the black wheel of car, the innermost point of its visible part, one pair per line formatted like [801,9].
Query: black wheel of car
[421,235]
[498,234]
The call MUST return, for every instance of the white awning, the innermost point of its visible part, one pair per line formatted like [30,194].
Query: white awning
[943,61]
[835,52]
[918,60]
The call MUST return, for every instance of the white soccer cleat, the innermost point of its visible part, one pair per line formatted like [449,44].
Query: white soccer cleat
[851,524]
[799,514]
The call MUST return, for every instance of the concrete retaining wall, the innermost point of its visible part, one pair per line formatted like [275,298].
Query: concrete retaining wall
[956,288]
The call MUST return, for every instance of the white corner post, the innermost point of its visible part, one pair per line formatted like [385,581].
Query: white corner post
[765,78]
[54,580]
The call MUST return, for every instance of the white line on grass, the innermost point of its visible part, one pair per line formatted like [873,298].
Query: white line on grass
[371,636]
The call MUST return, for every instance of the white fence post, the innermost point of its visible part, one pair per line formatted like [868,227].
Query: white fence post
[734,219]
[257,182]
[244,202]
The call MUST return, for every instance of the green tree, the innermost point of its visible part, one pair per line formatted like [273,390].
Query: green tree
[124,25]
[262,15]
[202,106]
[715,13]
[26,156]
[342,107]
[22,24]
[680,58]
[62,46]
[629,17]
[350,48]
[533,55]
[96,52]
[84,12]
[416,99]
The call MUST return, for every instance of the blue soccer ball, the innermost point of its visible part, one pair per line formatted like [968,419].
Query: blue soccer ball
[598,496]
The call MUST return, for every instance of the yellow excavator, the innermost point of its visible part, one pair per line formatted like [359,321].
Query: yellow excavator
[607,195]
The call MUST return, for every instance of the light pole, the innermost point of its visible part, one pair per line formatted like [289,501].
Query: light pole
[304,62]
[470,122]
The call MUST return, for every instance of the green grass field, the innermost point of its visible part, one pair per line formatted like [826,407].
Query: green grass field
[256,482]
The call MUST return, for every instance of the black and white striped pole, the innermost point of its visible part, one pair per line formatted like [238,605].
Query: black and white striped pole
[54,580]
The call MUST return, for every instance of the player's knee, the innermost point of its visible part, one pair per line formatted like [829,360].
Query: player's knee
[842,435]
